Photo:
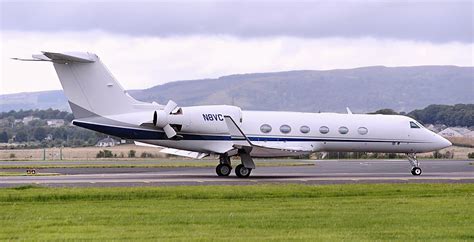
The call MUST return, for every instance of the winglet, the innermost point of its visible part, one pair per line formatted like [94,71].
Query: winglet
[236,134]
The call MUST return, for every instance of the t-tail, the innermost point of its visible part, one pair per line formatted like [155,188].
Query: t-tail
[88,85]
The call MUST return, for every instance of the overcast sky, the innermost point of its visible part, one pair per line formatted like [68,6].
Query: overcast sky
[150,43]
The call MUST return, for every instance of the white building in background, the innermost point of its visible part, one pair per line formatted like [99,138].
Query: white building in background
[455,132]
[55,122]
[28,119]
[107,142]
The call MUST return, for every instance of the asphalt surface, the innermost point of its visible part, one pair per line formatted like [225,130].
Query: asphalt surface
[322,172]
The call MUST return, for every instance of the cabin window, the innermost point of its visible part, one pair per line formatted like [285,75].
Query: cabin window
[343,130]
[285,129]
[413,125]
[265,128]
[304,129]
[324,130]
[362,130]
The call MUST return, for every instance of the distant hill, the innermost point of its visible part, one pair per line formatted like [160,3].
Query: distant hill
[362,89]
[34,100]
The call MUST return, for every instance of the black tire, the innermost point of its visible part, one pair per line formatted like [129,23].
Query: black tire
[223,170]
[242,171]
[416,171]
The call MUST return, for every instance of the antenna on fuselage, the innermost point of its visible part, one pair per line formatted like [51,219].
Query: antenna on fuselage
[348,110]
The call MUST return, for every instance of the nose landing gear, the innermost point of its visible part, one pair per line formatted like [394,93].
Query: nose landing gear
[415,170]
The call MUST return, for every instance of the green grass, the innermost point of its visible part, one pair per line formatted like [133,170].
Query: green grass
[403,212]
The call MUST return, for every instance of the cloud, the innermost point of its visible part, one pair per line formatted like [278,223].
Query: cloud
[142,62]
[434,21]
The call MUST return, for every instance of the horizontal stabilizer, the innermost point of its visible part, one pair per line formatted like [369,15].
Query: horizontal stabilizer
[81,57]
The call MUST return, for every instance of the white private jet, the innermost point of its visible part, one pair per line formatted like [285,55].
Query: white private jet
[99,103]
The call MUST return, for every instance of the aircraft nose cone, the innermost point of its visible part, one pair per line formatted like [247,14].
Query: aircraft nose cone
[443,143]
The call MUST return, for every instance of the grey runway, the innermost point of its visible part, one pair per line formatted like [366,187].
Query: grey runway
[323,172]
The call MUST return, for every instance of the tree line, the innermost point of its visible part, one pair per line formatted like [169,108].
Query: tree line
[38,131]
[42,114]
[450,115]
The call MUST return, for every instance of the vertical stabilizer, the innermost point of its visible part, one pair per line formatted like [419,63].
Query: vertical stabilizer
[89,86]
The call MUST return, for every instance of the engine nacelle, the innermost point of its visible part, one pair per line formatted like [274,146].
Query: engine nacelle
[198,119]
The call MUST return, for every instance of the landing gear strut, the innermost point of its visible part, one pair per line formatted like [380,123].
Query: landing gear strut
[415,165]
[224,168]
[243,170]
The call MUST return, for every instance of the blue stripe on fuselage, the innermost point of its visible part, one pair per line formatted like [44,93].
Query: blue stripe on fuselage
[148,134]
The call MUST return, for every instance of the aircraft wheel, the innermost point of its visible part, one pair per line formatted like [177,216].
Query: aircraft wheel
[416,171]
[242,171]
[223,169]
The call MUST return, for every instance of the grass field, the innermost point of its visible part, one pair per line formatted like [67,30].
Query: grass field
[403,212]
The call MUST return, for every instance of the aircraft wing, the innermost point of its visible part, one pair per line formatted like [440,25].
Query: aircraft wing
[241,140]
[185,153]
[236,134]
[283,146]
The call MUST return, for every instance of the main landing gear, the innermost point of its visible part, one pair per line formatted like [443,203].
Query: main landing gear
[415,165]
[243,170]
[224,168]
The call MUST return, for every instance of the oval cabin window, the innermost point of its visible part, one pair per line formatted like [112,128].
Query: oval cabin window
[343,130]
[324,130]
[304,129]
[285,129]
[363,130]
[265,128]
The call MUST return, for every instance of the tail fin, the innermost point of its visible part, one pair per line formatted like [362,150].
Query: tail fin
[89,86]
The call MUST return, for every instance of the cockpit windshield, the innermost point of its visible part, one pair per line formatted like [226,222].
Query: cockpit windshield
[413,125]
